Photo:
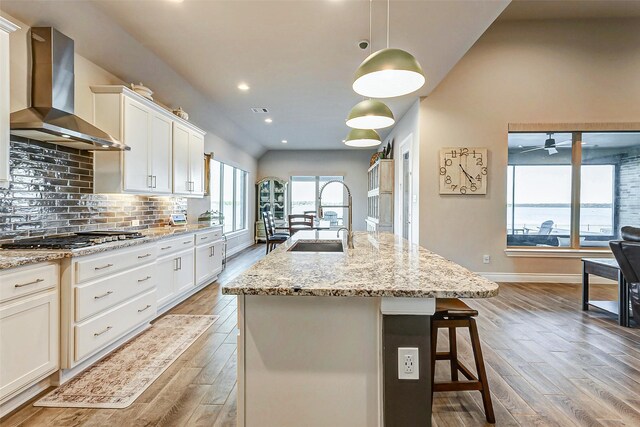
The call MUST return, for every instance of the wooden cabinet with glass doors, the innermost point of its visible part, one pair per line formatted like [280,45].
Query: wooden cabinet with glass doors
[272,197]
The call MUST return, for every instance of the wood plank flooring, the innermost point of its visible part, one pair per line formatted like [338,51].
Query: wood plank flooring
[549,364]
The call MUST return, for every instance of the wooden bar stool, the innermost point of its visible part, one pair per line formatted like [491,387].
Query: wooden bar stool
[452,313]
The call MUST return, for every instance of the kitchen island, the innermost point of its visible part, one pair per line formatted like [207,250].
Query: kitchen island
[319,331]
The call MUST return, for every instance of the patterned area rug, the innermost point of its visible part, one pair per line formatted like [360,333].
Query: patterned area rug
[117,380]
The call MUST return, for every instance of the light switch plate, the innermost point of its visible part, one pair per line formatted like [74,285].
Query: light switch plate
[408,365]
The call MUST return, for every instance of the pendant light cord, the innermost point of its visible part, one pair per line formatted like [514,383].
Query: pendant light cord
[370,25]
[388,8]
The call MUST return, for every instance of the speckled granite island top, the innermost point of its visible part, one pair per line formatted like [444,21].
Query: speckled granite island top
[380,265]
[10,258]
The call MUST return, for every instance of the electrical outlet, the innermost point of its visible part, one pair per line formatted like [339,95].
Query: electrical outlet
[486,259]
[408,365]
[135,222]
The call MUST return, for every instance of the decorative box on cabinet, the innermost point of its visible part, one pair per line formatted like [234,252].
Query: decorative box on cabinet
[271,193]
[160,159]
[380,196]
[6,27]
[29,330]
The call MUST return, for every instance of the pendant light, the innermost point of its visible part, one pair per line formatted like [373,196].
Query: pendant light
[388,72]
[370,114]
[362,138]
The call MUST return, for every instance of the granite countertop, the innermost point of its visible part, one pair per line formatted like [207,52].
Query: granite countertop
[380,265]
[10,258]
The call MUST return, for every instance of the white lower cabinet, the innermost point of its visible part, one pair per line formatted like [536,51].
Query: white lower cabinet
[209,260]
[29,327]
[176,275]
[103,329]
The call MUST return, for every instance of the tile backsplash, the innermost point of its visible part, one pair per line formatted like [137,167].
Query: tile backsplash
[51,192]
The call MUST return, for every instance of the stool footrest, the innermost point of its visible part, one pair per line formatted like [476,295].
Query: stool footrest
[461,367]
[458,386]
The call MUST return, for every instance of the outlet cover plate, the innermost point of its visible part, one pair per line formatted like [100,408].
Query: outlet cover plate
[408,365]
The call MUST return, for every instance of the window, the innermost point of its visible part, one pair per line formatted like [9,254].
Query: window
[229,196]
[305,191]
[572,189]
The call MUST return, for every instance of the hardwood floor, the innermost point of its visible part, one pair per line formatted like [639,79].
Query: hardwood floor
[549,364]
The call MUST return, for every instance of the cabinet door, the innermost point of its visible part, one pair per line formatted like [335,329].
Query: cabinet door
[196,163]
[183,276]
[4,109]
[161,152]
[181,181]
[136,136]
[165,271]
[218,255]
[204,256]
[29,332]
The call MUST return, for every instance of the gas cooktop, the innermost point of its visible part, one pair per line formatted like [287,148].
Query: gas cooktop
[73,241]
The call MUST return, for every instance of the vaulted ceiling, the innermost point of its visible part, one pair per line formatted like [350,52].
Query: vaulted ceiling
[298,57]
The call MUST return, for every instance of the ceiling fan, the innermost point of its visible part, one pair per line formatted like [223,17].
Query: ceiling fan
[550,145]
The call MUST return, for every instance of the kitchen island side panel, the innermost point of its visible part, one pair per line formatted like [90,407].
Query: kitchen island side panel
[312,361]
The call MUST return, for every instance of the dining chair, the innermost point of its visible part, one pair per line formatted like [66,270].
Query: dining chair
[627,253]
[272,237]
[300,221]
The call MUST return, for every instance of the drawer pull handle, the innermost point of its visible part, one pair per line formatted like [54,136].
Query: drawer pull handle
[165,248]
[145,279]
[187,242]
[103,295]
[20,285]
[204,237]
[103,267]
[144,256]
[97,334]
[143,309]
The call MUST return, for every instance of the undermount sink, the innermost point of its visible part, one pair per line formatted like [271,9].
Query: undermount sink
[331,246]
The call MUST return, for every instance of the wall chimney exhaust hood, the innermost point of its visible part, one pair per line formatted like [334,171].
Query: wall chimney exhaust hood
[51,118]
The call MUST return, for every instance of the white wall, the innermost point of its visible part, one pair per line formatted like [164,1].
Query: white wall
[519,72]
[352,164]
[88,73]
[407,132]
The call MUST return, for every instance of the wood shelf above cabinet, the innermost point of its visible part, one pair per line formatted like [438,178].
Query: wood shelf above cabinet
[167,152]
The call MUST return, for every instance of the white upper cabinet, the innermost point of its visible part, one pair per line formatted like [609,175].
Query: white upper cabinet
[136,132]
[6,27]
[162,147]
[188,164]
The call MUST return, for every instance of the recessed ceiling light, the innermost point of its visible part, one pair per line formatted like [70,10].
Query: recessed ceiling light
[284,141]
[268,120]
[243,87]
[105,146]
[175,1]
[64,135]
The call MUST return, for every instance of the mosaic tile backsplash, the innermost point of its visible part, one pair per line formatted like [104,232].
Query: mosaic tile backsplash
[51,192]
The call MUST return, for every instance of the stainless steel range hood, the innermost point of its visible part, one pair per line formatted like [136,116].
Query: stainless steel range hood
[51,116]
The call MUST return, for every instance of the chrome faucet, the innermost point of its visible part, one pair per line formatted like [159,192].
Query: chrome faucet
[349,207]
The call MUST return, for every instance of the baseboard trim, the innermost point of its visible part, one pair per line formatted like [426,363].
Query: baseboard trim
[24,396]
[232,252]
[542,278]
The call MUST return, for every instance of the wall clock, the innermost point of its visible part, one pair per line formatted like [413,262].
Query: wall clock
[463,170]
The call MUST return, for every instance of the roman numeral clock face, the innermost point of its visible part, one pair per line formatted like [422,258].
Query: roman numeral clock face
[463,170]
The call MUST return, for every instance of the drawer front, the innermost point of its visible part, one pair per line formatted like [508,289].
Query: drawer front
[169,246]
[97,296]
[26,280]
[208,236]
[102,330]
[111,262]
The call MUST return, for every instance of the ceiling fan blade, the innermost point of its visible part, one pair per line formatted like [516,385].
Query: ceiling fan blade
[532,149]
[551,151]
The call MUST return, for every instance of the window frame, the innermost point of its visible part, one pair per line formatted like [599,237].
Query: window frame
[221,184]
[316,180]
[577,131]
